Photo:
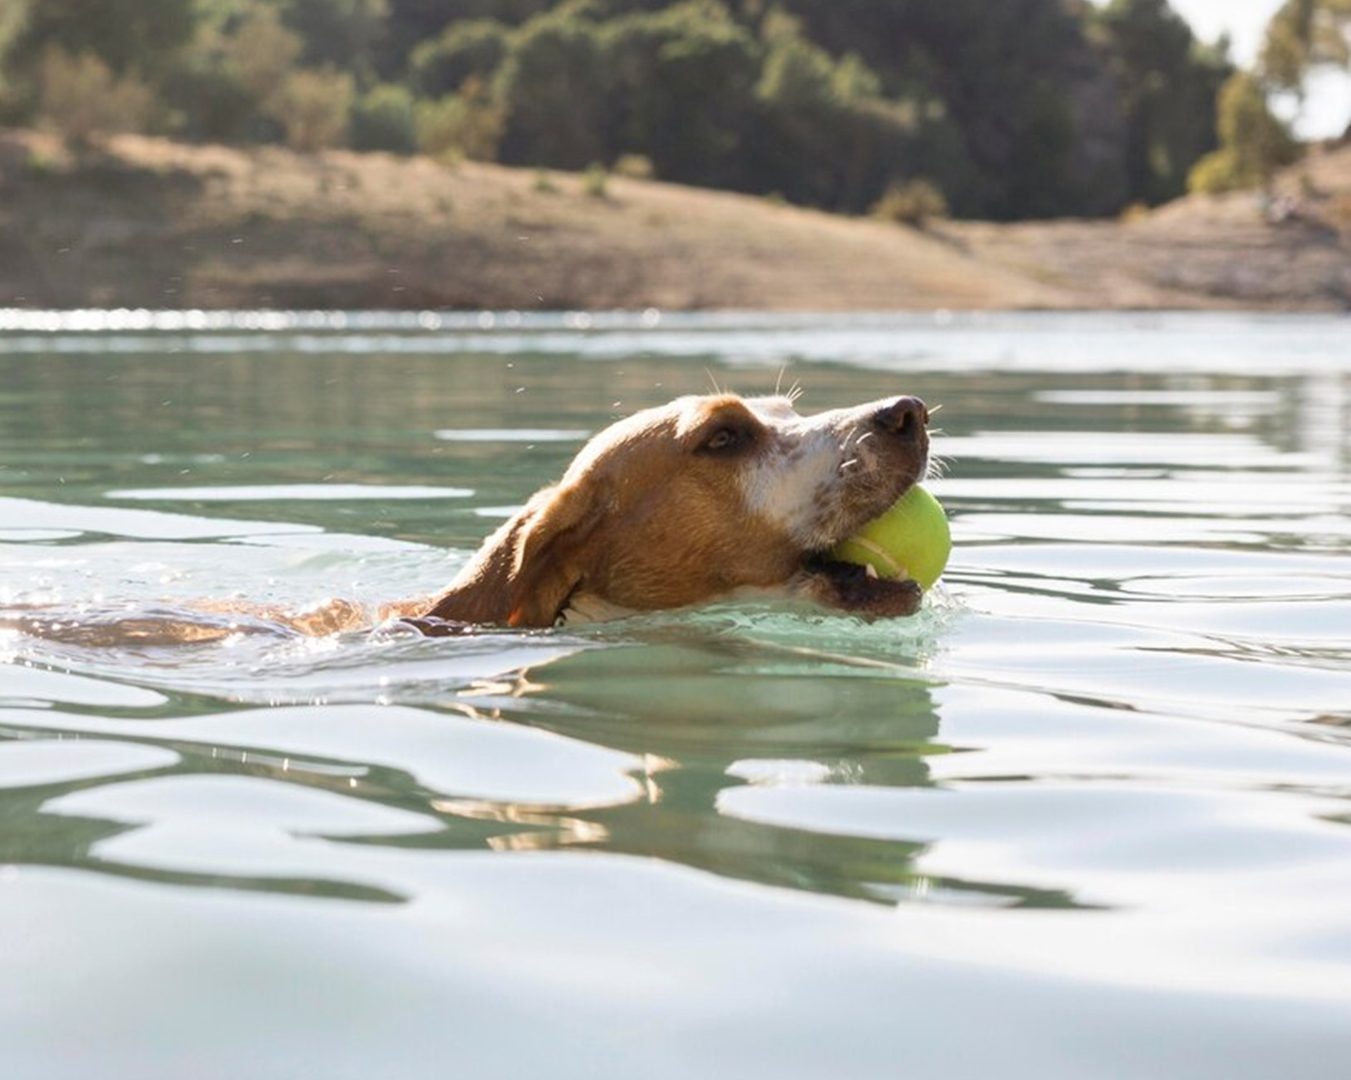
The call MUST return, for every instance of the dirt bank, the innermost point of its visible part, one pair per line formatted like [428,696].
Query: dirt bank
[157,224]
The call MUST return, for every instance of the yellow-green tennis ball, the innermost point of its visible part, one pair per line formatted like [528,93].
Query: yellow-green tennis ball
[911,540]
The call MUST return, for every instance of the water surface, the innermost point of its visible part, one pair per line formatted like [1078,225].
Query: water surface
[1087,815]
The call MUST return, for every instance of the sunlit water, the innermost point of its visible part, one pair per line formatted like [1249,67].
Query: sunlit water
[1088,815]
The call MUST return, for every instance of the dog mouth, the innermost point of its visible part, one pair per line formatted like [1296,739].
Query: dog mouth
[858,589]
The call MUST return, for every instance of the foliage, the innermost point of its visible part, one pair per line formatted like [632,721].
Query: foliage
[126,35]
[681,81]
[466,124]
[911,202]
[465,50]
[1304,34]
[384,118]
[229,81]
[554,92]
[313,108]
[82,100]
[1253,142]
[595,181]
[344,34]
[1010,109]
[635,167]
[1168,83]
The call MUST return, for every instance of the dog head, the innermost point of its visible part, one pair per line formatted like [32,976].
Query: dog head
[706,497]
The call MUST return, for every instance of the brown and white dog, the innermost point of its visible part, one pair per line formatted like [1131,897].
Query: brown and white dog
[702,499]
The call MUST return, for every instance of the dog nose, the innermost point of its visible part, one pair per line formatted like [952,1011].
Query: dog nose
[905,417]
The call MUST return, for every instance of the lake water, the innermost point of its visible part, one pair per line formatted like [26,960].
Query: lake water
[1087,815]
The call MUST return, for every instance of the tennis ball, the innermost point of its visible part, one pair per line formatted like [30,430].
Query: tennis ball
[911,540]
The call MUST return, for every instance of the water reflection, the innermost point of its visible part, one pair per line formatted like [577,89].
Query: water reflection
[688,716]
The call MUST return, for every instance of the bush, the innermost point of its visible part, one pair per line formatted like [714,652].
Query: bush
[473,49]
[635,167]
[228,84]
[595,181]
[82,101]
[384,119]
[1253,143]
[911,202]
[313,108]
[465,124]
[555,92]
[261,54]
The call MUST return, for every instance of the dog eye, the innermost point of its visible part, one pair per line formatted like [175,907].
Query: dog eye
[724,440]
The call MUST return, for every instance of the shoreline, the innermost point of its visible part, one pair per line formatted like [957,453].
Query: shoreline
[156,225]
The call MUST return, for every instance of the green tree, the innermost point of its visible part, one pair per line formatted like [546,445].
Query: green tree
[228,83]
[344,34]
[554,90]
[1168,86]
[1253,142]
[384,118]
[313,108]
[1000,71]
[683,82]
[140,36]
[466,124]
[1304,34]
[824,134]
[84,101]
[473,49]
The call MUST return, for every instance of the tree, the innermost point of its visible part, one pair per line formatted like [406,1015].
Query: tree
[313,108]
[1304,34]
[84,101]
[682,83]
[473,49]
[1253,142]
[554,88]
[228,83]
[385,118]
[140,36]
[344,34]
[466,123]
[1168,86]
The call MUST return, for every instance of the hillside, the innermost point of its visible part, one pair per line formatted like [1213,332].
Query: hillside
[159,224]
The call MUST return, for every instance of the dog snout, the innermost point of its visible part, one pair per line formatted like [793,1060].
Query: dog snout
[905,417]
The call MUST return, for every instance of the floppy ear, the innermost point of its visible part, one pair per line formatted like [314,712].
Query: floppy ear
[549,560]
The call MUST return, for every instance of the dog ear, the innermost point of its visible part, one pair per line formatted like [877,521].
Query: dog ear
[549,561]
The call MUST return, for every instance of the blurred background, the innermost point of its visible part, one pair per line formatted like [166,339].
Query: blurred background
[910,113]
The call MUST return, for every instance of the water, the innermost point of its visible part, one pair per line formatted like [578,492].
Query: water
[1088,815]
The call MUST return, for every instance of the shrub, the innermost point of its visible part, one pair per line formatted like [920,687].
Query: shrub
[543,183]
[1253,143]
[261,54]
[554,89]
[313,108]
[595,181]
[384,119]
[466,123]
[83,101]
[911,202]
[635,167]
[473,49]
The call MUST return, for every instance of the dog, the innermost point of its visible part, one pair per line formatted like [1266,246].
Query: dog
[706,498]
[714,497]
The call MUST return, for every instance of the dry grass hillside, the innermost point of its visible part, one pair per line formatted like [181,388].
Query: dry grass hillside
[151,223]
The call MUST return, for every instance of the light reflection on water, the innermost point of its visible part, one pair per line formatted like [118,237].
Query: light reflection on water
[1089,807]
